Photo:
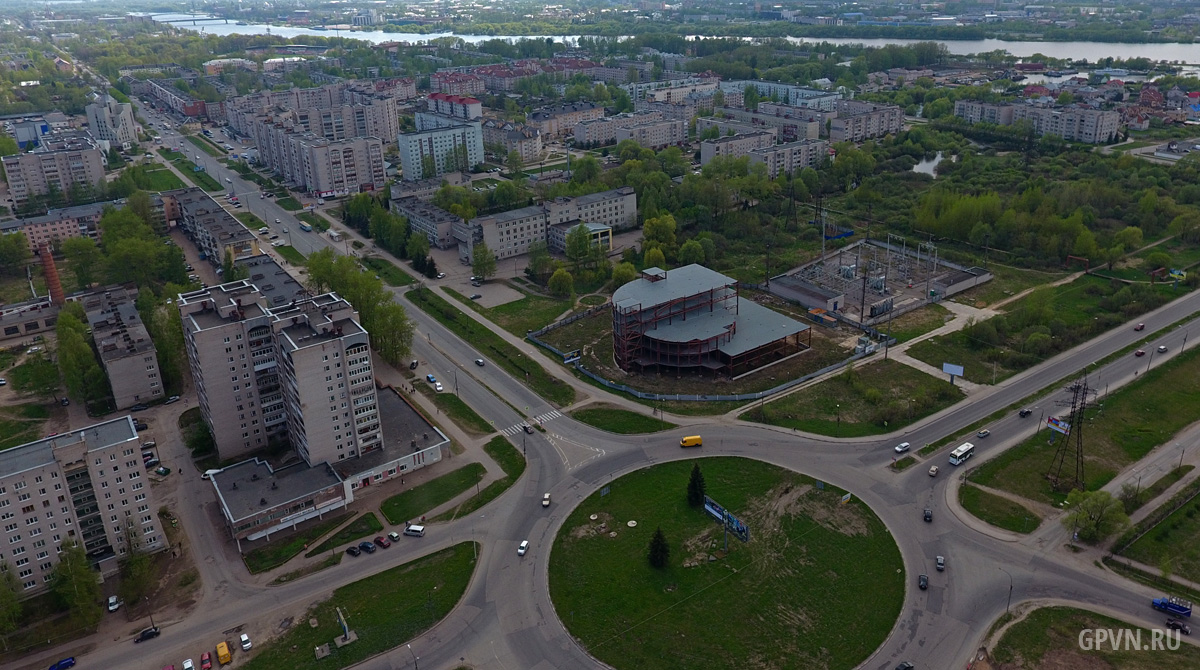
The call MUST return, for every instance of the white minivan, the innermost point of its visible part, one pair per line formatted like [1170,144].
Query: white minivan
[415,531]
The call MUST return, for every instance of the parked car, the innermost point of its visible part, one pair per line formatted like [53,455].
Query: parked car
[353,550]
[941,563]
[150,463]
[188,665]
[933,470]
[64,402]
[3,381]
[394,536]
[147,634]
[1140,326]
[206,661]
[64,664]
[114,604]
[245,641]
[441,275]
[162,471]
[928,515]
[523,547]
[264,230]
[138,408]
[438,387]
[141,426]
[383,542]
[431,379]
[923,582]
[1176,624]
[1025,412]
[367,547]
[475,296]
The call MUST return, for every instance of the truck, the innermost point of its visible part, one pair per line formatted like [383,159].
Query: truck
[1172,605]
[305,227]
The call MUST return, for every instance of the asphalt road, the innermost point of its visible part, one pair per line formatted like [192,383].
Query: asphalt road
[506,620]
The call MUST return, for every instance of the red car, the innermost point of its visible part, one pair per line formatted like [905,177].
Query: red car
[206,661]
[1140,326]
[1139,353]
[383,542]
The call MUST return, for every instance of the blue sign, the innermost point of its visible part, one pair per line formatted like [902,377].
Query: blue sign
[731,522]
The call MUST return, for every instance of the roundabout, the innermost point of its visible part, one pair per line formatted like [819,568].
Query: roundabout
[819,584]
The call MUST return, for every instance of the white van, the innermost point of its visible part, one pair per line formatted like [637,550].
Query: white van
[415,531]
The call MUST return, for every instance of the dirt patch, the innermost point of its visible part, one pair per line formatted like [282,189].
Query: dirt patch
[1062,659]
[791,500]
[601,526]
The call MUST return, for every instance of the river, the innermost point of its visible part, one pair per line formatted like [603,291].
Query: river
[1092,51]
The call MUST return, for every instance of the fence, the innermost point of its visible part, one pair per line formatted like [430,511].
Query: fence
[1179,500]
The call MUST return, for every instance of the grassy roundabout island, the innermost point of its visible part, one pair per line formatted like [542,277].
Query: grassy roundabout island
[820,584]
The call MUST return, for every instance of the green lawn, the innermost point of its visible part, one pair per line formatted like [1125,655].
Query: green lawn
[510,460]
[1156,489]
[21,423]
[291,254]
[364,527]
[319,223]
[203,180]
[1056,637]
[422,499]
[1008,282]
[864,400]
[620,421]
[998,511]
[772,599]
[532,312]
[162,180]
[493,347]
[459,412]
[280,551]
[207,147]
[1130,424]
[917,322]
[250,220]
[385,610]
[289,203]
[390,274]
[1173,539]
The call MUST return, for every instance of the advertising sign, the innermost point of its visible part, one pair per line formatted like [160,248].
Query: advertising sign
[1056,424]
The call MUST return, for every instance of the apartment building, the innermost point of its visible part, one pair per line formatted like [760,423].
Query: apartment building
[362,108]
[425,189]
[456,83]
[27,318]
[213,230]
[220,65]
[86,487]
[57,225]
[792,156]
[860,121]
[676,94]
[735,146]
[1076,124]
[425,154]
[794,123]
[318,165]
[655,134]
[788,94]
[974,112]
[61,162]
[727,126]
[429,220]
[265,371]
[112,121]
[167,94]
[125,347]
[454,106]
[560,120]
[672,89]
[602,131]
[510,234]
[505,137]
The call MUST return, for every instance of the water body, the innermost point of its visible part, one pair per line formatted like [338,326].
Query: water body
[928,165]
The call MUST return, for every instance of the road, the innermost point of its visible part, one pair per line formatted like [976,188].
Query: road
[506,620]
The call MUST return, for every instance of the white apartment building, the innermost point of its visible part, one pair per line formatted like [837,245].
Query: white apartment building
[859,121]
[787,158]
[726,126]
[125,347]
[112,121]
[979,112]
[1076,124]
[426,154]
[263,371]
[560,120]
[61,161]
[655,134]
[364,108]
[85,486]
[735,145]
[788,94]
[677,94]
[599,132]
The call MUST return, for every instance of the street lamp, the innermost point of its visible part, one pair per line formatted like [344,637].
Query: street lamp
[1010,589]
[415,658]
[1040,417]
[839,420]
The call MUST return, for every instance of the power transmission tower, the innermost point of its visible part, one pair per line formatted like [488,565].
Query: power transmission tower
[1070,450]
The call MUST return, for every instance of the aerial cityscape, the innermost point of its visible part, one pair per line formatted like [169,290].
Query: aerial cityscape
[602,334]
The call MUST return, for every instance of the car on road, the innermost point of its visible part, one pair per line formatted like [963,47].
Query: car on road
[437,386]
[479,362]
[475,296]
[285,230]
[1162,348]
[527,428]
[1025,412]
[278,243]
[441,275]
[1139,353]
[904,665]
[941,563]
[523,547]
[983,433]
[147,634]
[431,379]
[1176,624]
[172,399]
[64,664]
[933,470]
[278,221]
[394,536]
[546,500]
[353,550]
[1140,326]
[228,180]
[903,447]
[923,582]
[367,547]
[382,542]
[114,604]
[245,642]
[928,515]
[206,661]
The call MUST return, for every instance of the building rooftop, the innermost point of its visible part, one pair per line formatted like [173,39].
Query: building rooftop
[657,286]
[403,428]
[276,285]
[249,487]
[752,324]
[736,138]
[116,325]
[418,207]
[41,452]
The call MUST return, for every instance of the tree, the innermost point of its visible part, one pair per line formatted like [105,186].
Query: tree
[695,488]
[75,585]
[516,164]
[10,604]
[14,251]
[392,333]
[622,274]
[1095,515]
[561,283]
[660,229]
[231,271]
[540,262]
[585,170]
[691,252]
[483,261]
[417,247]
[139,203]
[137,575]
[660,551]
[654,259]
[579,241]
[1158,259]
[85,259]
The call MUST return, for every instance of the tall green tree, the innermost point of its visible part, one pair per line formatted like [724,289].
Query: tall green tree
[231,271]
[654,258]
[483,261]
[659,552]
[579,242]
[84,259]
[515,163]
[561,283]
[695,488]
[76,586]
[10,603]
[691,252]
[1095,515]
[14,252]
[622,274]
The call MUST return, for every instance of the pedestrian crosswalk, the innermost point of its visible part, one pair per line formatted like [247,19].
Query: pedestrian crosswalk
[539,419]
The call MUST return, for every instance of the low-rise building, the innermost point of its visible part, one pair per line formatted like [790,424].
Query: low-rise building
[57,225]
[792,156]
[219,65]
[655,134]
[112,121]
[735,146]
[505,137]
[124,344]
[213,230]
[560,120]
[602,131]
[432,221]
[425,189]
[788,94]
[599,235]
[793,123]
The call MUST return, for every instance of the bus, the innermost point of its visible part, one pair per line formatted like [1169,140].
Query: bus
[305,227]
[962,453]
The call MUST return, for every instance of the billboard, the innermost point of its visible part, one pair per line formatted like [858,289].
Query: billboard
[952,369]
[722,515]
[1056,424]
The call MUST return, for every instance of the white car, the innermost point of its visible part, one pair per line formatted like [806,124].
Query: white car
[524,547]
[278,243]
[188,665]
[245,640]
[113,604]
[438,387]
[264,230]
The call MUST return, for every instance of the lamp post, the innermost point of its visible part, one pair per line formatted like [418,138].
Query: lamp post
[1138,488]
[416,658]
[1040,417]
[839,420]
[1149,360]
[1010,589]
[1181,449]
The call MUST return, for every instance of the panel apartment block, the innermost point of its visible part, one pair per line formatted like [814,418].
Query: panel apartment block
[125,347]
[456,83]
[112,121]
[506,136]
[59,224]
[796,96]
[599,132]
[560,120]
[302,369]
[792,156]
[859,121]
[87,487]
[425,154]
[981,112]
[735,146]
[725,126]
[365,108]
[428,219]
[1076,124]
[213,230]
[655,134]
[60,161]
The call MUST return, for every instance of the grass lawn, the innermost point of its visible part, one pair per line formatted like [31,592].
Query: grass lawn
[917,322]
[998,511]
[767,600]
[620,421]
[1008,282]
[364,526]
[202,179]
[864,400]
[42,619]
[21,423]
[1138,144]
[1129,425]
[532,312]
[1175,539]
[422,499]
[903,463]
[493,347]
[458,411]
[390,274]
[280,551]
[1154,490]
[318,222]
[162,180]
[250,220]
[1051,637]
[207,147]
[384,610]
[545,168]
[510,460]
[291,254]
[289,203]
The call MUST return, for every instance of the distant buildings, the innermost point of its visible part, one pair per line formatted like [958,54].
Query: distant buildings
[560,120]
[974,112]
[124,344]
[425,189]
[788,94]
[792,156]
[62,162]
[112,121]
[57,225]
[363,108]
[220,65]
[793,123]
[506,137]
[655,134]
[602,131]
[456,83]
[449,138]
[735,146]
[1072,123]
[858,121]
